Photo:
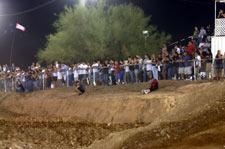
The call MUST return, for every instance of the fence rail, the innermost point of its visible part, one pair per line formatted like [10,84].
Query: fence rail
[204,70]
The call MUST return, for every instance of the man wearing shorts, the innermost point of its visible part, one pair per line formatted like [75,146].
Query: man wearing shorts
[187,65]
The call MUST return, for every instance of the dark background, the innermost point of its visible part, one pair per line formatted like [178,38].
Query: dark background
[176,17]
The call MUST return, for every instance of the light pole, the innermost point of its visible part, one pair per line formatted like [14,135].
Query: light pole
[146,33]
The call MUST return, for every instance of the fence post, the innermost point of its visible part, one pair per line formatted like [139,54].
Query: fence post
[5,85]
[12,84]
[213,69]
[43,82]
[67,78]
[195,77]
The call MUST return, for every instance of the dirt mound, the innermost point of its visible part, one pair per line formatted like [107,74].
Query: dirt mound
[28,132]
[195,120]
[182,114]
[118,104]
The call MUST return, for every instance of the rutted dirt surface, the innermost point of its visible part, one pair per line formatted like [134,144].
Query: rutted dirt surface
[27,132]
[182,114]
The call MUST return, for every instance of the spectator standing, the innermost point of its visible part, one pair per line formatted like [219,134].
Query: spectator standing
[154,69]
[85,72]
[202,34]
[12,68]
[208,63]
[170,67]
[148,64]
[181,67]
[112,72]
[105,72]
[54,75]
[95,72]
[75,72]
[196,33]
[191,48]
[164,49]
[159,61]
[208,32]
[117,72]
[187,65]
[136,70]
[219,65]
[122,72]
[141,72]
[197,65]
[175,66]
[59,77]
[127,72]
[164,66]
[131,68]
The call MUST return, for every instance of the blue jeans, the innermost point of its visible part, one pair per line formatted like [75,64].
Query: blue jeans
[30,86]
[155,72]
[35,85]
[122,73]
[106,79]
[140,75]
[145,75]
[95,76]
[71,80]
[117,76]
[132,76]
[169,73]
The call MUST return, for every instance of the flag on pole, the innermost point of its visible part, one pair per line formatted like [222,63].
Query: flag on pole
[20,27]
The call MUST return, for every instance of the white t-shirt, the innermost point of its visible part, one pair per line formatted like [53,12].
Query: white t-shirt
[54,74]
[57,65]
[75,73]
[95,67]
[198,61]
[59,75]
[202,44]
[148,65]
[85,69]
[127,69]
[202,32]
[80,67]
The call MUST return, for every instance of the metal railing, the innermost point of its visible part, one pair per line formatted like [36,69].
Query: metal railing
[168,71]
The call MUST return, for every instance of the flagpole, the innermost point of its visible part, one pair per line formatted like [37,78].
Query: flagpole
[12,47]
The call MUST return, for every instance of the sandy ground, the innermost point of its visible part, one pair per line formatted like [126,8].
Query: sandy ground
[182,114]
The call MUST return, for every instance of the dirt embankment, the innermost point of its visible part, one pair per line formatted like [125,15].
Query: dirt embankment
[182,114]
[119,104]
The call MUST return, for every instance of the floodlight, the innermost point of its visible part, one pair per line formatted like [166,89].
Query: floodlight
[145,32]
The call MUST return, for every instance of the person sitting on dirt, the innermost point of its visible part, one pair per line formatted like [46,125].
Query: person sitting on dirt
[79,88]
[154,87]
[19,87]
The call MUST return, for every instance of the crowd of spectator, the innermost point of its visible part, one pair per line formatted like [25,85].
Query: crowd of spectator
[191,62]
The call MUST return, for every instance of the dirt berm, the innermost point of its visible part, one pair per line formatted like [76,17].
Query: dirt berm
[182,114]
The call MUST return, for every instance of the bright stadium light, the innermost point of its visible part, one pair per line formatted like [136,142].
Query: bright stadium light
[146,33]
[83,2]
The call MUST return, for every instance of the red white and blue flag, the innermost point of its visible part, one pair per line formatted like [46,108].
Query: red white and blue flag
[20,27]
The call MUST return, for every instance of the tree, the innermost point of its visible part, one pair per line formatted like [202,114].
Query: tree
[101,32]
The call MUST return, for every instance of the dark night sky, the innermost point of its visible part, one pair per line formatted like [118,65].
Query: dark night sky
[177,17]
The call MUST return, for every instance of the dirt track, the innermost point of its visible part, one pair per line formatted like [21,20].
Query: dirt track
[181,114]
